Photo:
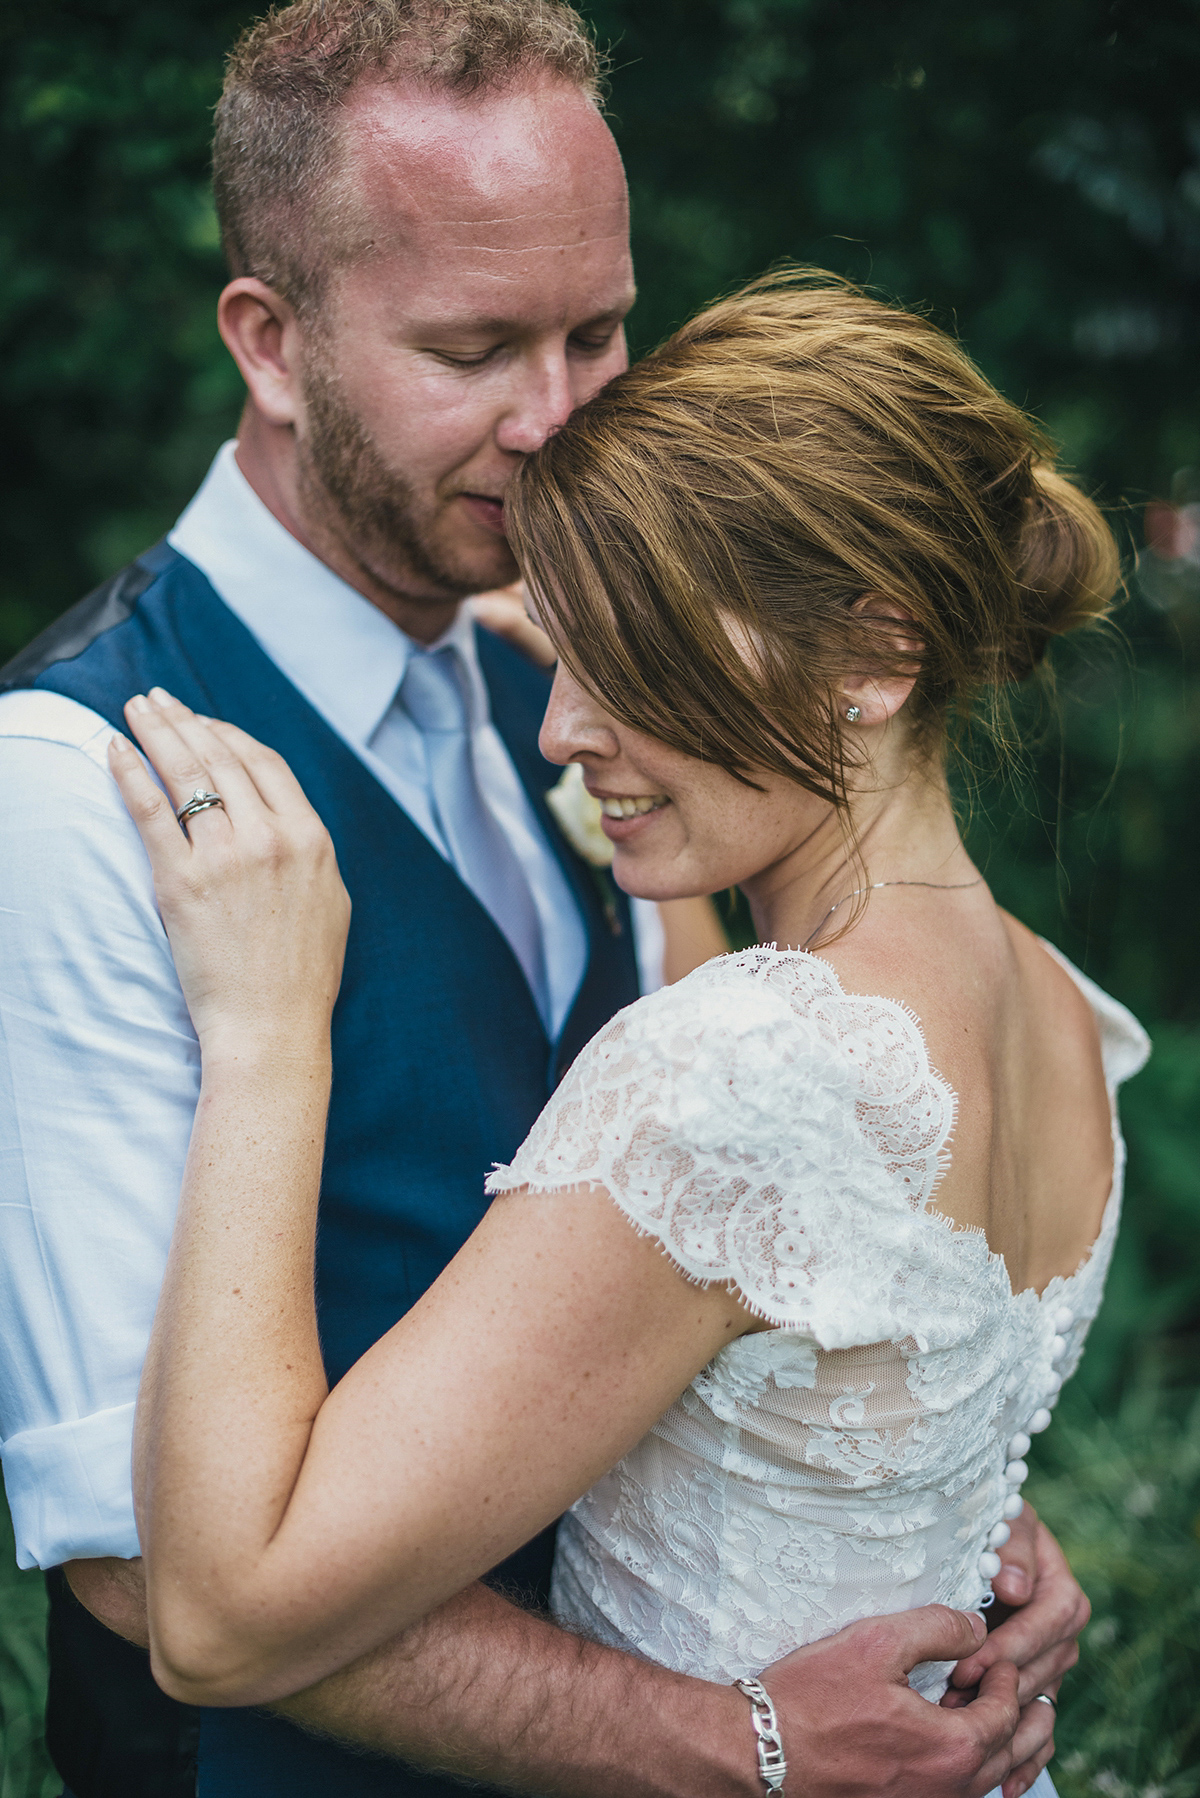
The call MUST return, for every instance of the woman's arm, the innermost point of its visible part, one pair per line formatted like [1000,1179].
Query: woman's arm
[287,1531]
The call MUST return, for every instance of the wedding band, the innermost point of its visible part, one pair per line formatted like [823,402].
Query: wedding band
[1045,1698]
[200,801]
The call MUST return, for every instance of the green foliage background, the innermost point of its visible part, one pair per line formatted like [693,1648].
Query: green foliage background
[1030,171]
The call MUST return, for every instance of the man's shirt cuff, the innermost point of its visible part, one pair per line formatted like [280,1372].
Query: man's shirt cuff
[70,1489]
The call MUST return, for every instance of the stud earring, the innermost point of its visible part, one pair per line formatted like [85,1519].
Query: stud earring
[853,714]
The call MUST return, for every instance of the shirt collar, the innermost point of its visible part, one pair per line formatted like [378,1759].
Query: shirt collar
[341,651]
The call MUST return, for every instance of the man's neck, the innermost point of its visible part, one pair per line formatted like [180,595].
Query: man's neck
[268,466]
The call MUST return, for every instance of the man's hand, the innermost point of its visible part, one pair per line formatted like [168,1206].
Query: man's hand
[1043,1612]
[852,1727]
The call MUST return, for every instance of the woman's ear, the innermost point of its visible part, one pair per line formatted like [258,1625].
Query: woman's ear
[261,334]
[871,696]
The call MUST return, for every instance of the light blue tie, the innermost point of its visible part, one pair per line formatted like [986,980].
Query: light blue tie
[432,693]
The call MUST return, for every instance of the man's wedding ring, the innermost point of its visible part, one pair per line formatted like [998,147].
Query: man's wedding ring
[200,801]
[1045,1698]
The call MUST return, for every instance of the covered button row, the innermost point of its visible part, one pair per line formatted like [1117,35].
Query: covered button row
[1017,1470]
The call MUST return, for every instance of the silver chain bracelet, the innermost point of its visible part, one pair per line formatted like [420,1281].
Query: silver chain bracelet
[771,1762]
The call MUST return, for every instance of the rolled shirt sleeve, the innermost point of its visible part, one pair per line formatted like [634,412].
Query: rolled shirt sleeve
[99,1079]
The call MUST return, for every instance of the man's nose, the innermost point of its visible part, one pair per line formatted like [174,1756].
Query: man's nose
[542,400]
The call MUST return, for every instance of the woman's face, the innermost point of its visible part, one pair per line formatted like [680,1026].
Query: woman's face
[678,826]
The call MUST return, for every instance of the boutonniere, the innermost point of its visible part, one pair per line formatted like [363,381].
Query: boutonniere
[578,816]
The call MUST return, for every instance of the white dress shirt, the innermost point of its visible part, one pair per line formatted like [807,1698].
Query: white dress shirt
[99,1065]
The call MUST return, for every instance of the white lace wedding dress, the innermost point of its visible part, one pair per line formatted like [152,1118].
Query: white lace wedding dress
[862,1456]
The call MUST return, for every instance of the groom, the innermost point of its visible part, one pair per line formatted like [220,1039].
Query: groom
[425,218]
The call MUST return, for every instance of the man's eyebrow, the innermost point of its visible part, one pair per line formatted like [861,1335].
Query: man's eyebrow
[495,325]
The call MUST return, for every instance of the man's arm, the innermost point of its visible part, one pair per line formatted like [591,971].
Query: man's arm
[487,1692]
[99,1074]
[483,1690]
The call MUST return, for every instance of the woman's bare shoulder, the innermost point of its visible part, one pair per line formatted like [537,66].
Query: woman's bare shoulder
[1058,1002]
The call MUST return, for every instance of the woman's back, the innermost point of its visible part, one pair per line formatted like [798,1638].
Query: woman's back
[859,1453]
[1010,1031]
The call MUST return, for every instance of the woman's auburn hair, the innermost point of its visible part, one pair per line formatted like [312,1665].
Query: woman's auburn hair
[697,534]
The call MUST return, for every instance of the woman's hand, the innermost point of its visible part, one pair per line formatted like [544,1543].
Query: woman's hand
[250,893]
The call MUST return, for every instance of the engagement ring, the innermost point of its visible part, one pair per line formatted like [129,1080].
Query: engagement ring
[200,801]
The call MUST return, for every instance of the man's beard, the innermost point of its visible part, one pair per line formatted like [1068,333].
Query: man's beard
[345,482]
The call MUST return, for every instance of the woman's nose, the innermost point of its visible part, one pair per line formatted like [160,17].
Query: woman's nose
[574,725]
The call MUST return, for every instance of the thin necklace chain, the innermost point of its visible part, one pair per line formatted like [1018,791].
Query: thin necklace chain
[937,886]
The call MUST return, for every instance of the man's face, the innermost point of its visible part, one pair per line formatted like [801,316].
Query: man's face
[486,304]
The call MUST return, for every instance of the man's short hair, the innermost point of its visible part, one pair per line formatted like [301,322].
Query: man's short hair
[276,149]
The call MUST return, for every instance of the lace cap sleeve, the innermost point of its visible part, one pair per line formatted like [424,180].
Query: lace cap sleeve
[770,1131]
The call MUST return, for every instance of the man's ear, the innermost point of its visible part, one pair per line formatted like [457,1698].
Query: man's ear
[260,332]
[873,695]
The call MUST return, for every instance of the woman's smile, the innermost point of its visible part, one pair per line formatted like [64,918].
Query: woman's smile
[628,814]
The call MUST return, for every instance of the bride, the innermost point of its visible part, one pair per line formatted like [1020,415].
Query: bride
[798,1256]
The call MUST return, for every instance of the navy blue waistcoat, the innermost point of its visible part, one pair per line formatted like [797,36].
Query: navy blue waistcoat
[441,1063]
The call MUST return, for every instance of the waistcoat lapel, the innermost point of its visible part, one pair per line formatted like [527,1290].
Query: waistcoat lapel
[518,692]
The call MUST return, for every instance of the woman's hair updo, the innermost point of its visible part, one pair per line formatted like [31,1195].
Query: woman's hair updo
[698,533]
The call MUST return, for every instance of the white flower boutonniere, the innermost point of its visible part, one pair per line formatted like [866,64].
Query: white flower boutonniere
[578,816]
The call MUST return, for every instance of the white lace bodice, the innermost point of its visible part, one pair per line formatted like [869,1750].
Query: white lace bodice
[861,1456]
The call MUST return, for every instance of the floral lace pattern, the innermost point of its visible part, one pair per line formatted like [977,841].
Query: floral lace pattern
[781,1135]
